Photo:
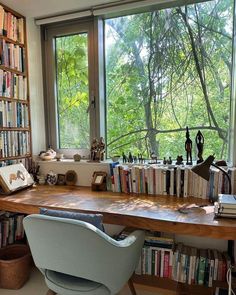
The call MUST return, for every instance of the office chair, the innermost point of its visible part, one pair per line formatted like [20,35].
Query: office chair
[77,258]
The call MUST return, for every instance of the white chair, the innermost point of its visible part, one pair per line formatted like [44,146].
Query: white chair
[77,258]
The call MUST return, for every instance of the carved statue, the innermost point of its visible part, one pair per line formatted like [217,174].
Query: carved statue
[199,142]
[188,148]
[93,150]
[101,149]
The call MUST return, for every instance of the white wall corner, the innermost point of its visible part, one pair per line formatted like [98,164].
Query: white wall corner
[36,86]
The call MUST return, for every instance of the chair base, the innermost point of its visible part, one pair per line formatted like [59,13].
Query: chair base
[50,292]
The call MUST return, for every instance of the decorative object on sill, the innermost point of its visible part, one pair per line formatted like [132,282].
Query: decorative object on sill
[179,160]
[61,179]
[59,156]
[188,148]
[169,161]
[199,143]
[203,169]
[124,157]
[97,150]
[164,161]
[77,158]
[153,158]
[70,177]
[48,155]
[99,181]
[130,158]
[51,178]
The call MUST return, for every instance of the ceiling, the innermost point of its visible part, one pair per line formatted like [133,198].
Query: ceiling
[41,8]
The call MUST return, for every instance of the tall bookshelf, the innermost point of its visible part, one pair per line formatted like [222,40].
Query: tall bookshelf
[15,127]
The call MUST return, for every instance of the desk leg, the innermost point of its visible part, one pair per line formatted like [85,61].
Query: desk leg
[131,286]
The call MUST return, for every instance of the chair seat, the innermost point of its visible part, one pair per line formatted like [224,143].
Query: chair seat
[69,285]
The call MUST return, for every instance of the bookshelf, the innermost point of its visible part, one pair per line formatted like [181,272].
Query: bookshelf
[15,127]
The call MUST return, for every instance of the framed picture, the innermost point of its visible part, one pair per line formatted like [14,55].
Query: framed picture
[70,177]
[61,179]
[99,181]
[14,177]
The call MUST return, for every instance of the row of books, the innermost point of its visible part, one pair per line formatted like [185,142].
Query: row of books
[14,114]
[11,26]
[183,263]
[14,143]
[177,181]
[12,56]
[11,228]
[13,85]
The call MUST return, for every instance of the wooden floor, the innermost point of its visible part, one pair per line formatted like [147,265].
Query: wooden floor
[36,286]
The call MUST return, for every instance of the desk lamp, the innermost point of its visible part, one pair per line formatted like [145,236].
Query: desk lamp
[203,170]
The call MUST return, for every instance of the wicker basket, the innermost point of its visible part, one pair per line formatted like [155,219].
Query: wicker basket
[15,264]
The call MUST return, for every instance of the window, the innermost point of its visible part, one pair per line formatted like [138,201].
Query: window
[69,69]
[163,70]
[166,70]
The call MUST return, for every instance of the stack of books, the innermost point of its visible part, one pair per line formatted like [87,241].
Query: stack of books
[226,206]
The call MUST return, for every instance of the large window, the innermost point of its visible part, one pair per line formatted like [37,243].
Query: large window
[161,71]
[166,70]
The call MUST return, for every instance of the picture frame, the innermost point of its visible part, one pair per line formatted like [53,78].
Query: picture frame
[61,179]
[14,177]
[99,181]
[70,177]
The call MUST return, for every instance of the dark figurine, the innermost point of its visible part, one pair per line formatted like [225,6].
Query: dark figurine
[199,142]
[169,161]
[164,161]
[188,148]
[179,160]
[140,158]
[130,158]
[124,157]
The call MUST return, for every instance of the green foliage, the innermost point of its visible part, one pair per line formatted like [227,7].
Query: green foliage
[72,90]
[166,70]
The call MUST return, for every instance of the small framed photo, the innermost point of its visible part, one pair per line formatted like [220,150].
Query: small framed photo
[61,180]
[99,181]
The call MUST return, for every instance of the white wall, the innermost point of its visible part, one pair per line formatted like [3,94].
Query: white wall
[36,86]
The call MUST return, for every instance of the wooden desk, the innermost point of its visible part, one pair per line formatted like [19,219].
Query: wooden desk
[141,211]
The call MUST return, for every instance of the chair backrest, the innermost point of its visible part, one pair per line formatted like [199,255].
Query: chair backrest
[77,248]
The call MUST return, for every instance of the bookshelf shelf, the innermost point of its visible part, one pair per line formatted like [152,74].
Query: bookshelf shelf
[13,71]
[15,125]
[13,99]
[11,41]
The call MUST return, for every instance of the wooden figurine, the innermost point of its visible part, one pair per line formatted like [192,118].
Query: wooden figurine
[199,143]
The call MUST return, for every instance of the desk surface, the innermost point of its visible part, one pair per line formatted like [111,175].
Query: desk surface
[140,211]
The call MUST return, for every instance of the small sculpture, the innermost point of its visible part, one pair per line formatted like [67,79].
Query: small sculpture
[48,155]
[164,161]
[188,148]
[199,142]
[179,160]
[77,157]
[153,158]
[169,161]
[93,150]
[130,158]
[124,157]
[101,149]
